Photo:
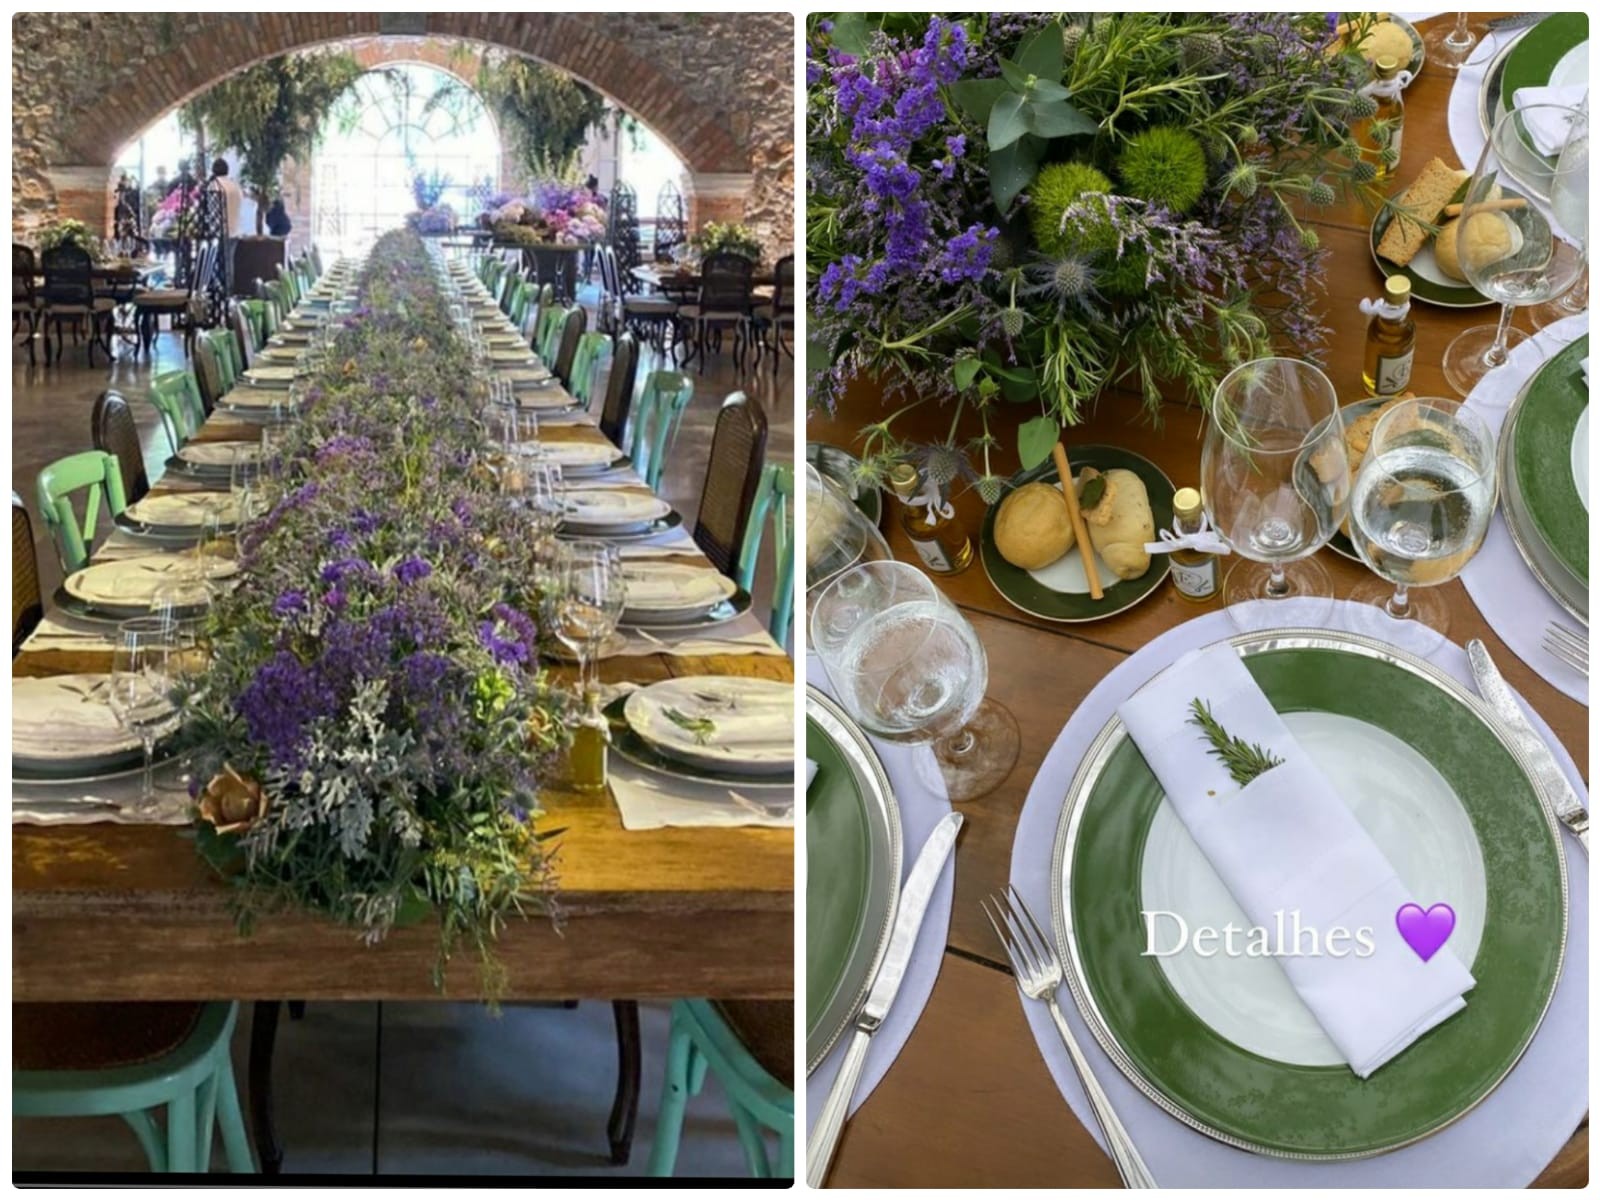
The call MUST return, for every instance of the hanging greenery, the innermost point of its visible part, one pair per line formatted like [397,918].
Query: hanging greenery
[271,113]
[545,114]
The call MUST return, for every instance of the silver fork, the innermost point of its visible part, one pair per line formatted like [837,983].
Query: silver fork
[1038,972]
[1567,646]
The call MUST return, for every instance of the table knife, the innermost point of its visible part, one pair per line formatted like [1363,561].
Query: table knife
[1547,773]
[908,920]
[1516,21]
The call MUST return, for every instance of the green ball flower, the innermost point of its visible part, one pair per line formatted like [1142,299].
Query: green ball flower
[1361,107]
[1321,193]
[1125,276]
[1011,320]
[1057,188]
[1166,166]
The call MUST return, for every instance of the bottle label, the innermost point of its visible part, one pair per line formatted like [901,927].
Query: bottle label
[1196,580]
[933,556]
[1394,373]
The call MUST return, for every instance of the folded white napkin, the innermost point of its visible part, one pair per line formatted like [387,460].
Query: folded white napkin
[1287,843]
[650,801]
[1546,126]
[811,772]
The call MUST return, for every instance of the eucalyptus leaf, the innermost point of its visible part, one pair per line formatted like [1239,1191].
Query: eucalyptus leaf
[1056,118]
[1041,54]
[1014,75]
[1035,440]
[1006,123]
[977,96]
[964,372]
[850,33]
[1013,168]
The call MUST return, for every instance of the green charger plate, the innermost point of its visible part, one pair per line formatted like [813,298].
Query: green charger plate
[1428,283]
[1541,428]
[852,872]
[1298,1111]
[1532,58]
[1023,591]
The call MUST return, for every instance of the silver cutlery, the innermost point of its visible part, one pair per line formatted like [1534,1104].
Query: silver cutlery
[1516,21]
[914,898]
[1038,972]
[1567,646]
[1547,773]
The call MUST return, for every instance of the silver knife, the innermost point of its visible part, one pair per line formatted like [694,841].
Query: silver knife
[1516,21]
[1547,773]
[908,920]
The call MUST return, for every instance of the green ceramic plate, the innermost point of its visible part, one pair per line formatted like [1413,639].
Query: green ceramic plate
[1296,1110]
[852,872]
[1024,590]
[844,469]
[1551,53]
[1428,283]
[1542,427]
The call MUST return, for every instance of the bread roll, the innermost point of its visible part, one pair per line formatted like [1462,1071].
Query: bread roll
[1032,528]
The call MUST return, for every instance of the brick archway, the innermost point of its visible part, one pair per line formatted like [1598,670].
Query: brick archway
[69,126]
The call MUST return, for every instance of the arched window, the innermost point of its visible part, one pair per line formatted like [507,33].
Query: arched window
[396,124]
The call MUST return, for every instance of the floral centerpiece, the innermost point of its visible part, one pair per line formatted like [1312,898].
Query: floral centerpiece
[552,213]
[171,219]
[715,237]
[69,233]
[373,721]
[1034,207]
[436,219]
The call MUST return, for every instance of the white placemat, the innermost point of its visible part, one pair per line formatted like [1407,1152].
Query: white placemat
[742,635]
[650,801]
[920,810]
[1466,124]
[1513,602]
[1505,1142]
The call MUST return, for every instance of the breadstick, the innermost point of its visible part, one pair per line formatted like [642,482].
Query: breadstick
[1080,528]
[1506,204]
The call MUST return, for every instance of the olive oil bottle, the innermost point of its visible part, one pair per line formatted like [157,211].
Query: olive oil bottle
[940,542]
[1194,572]
[586,760]
[1391,340]
[1380,135]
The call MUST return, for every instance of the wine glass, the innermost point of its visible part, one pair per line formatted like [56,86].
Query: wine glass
[140,691]
[838,535]
[546,496]
[590,594]
[1514,242]
[908,666]
[244,484]
[1275,481]
[1569,197]
[1449,46]
[1421,506]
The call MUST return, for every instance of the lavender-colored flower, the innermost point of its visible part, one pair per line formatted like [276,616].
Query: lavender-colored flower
[410,570]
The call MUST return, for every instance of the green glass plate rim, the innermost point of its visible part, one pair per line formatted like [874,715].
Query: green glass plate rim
[1544,416]
[1542,834]
[1429,292]
[1020,590]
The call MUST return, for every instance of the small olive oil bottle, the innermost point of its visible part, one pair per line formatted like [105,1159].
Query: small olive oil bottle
[1194,572]
[1384,128]
[940,542]
[1391,341]
[586,761]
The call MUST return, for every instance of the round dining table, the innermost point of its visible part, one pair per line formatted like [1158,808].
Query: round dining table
[969,1101]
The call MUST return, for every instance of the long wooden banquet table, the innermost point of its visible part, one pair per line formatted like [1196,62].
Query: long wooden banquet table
[130,912]
[969,1101]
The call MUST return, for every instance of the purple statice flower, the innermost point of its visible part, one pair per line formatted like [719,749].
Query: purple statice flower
[281,699]
[341,569]
[290,603]
[411,570]
[511,636]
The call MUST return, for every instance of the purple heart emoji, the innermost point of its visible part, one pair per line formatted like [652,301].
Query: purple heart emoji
[1425,932]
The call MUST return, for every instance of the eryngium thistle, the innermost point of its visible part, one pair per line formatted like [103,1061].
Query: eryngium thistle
[1321,193]
[1201,50]
[1362,106]
[943,465]
[1011,320]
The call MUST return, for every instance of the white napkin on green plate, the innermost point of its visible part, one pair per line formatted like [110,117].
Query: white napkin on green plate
[1547,127]
[1287,843]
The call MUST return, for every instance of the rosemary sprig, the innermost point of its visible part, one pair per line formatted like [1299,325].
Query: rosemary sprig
[1244,761]
[700,727]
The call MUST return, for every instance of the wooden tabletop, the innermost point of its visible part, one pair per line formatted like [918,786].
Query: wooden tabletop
[124,912]
[969,1101]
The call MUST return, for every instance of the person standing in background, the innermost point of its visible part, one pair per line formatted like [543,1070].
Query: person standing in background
[232,195]
[278,223]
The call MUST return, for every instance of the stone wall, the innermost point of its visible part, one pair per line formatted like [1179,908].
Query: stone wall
[717,87]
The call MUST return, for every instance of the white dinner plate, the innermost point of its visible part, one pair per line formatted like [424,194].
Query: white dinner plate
[217,454]
[661,591]
[751,722]
[131,583]
[1580,458]
[611,510]
[62,718]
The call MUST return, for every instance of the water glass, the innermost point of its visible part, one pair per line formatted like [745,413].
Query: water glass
[1275,481]
[590,594]
[141,690]
[1421,506]
[907,665]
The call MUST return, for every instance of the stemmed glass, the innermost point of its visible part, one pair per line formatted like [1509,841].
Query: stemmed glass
[1449,46]
[908,666]
[1521,237]
[140,693]
[244,484]
[1275,481]
[1569,197]
[1421,506]
[590,593]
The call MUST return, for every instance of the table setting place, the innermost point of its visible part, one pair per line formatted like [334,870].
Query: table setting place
[1297,885]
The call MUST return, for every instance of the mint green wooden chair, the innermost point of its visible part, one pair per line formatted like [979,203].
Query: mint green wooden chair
[277,296]
[94,473]
[176,396]
[210,369]
[259,313]
[655,422]
[290,285]
[193,1081]
[521,298]
[549,335]
[508,286]
[544,300]
[701,1040]
[775,495]
[226,349]
[593,348]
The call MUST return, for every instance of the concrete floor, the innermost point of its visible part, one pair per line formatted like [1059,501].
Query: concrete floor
[453,1090]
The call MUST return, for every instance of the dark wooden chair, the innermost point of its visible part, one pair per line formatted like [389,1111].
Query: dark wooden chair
[733,472]
[619,389]
[725,300]
[176,303]
[775,319]
[25,303]
[27,597]
[115,432]
[68,296]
